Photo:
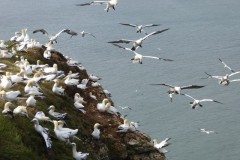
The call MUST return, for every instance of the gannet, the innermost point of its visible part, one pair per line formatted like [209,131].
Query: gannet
[10,95]
[177,89]
[96,131]
[79,98]
[59,90]
[110,4]
[17,77]
[226,66]
[52,38]
[124,127]
[83,33]
[83,84]
[43,132]
[56,114]
[2,65]
[224,80]
[92,96]
[31,101]
[73,75]
[138,43]
[197,102]
[78,105]
[110,109]
[7,111]
[203,130]
[102,106]
[32,88]
[93,78]
[49,70]
[125,107]
[108,94]
[138,57]
[23,33]
[95,84]
[6,82]
[61,135]
[161,146]
[139,27]
[72,132]
[20,110]
[40,115]
[133,126]
[78,155]
[71,81]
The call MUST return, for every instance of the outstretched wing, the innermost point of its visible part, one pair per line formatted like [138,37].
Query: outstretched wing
[154,33]
[43,31]
[71,32]
[187,96]
[64,30]
[192,87]
[226,66]
[122,41]
[209,75]
[128,49]
[210,100]
[151,57]
[234,73]
[91,3]
[163,84]
[151,25]
[127,24]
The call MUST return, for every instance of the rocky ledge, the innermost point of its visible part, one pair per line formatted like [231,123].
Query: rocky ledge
[19,140]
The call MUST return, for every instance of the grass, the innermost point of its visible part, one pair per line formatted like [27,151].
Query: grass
[20,141]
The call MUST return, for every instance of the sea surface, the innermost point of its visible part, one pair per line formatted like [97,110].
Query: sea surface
[201,31]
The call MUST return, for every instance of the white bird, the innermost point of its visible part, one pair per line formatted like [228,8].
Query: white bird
[52,38]
[110,4]
[78,155]
[226,66]
[138,43]
[203,130]
[6,82]
[83,33]
[177,89]
[2,65]
[72,132]
[124,127]
[43,132]
[62,134]
[125,107]
[20,110]
[110,109]
[32,88]
[73,75]
[94,78]
[139,27]
[40,115]
[31,101]
[102,106]
[197,102]
[79,98]
[92,96]
[224,80]
[78,105]
[56,114]
[107,93]
[7,111]
[95,84]
[59,90]
[71,81]
[83,84]
[161,146]
[10,95]
[138,57]
[96,131]
[49,70]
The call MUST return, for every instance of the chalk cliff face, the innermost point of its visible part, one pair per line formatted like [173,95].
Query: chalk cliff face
[19,140]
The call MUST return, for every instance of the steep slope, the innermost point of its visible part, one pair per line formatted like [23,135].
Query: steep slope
[19,140]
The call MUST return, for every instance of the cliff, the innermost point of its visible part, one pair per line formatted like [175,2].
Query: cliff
[19,140]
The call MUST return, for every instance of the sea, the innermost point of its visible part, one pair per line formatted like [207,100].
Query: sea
[200,32]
